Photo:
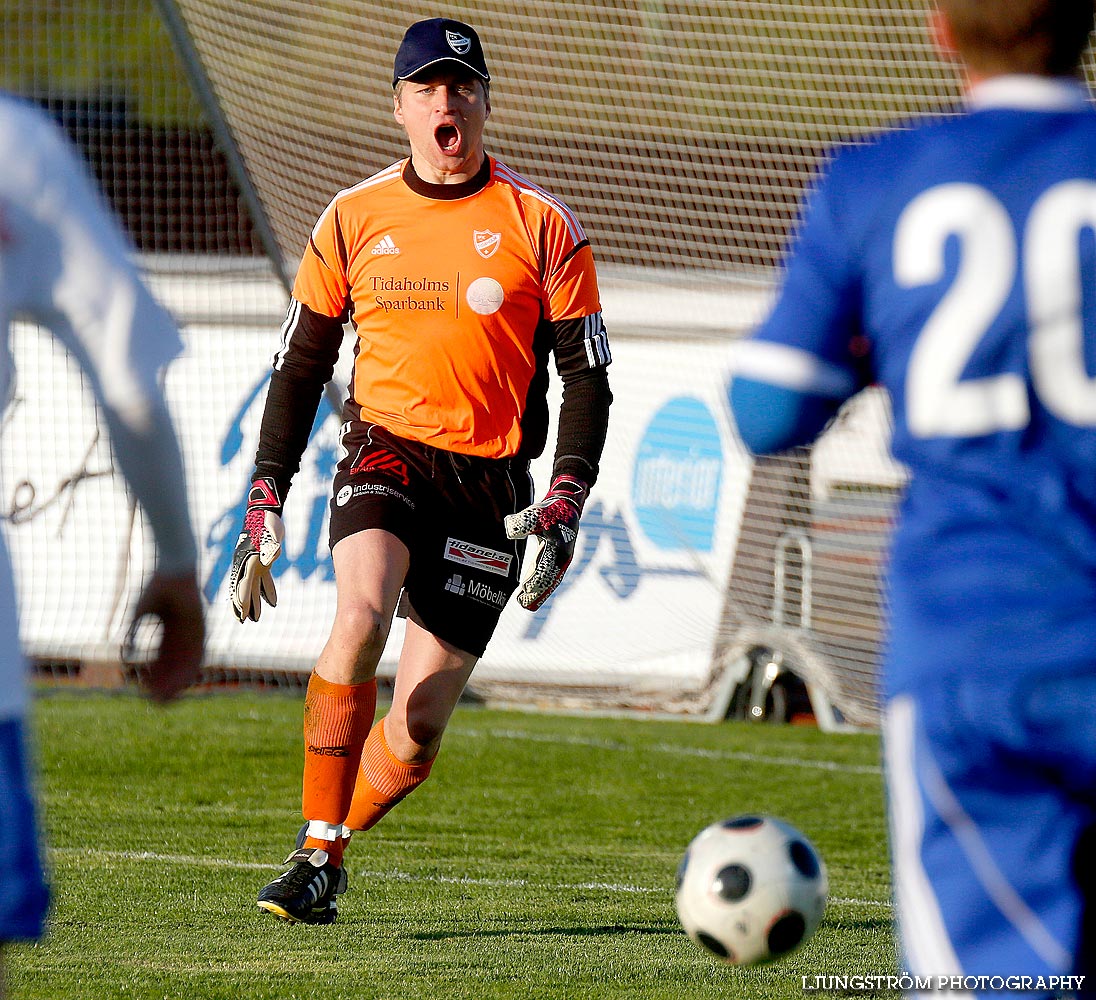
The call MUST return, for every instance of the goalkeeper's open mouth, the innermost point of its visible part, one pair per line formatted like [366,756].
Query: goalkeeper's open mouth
[448,138]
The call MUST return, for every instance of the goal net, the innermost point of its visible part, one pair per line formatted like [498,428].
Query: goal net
[683,134]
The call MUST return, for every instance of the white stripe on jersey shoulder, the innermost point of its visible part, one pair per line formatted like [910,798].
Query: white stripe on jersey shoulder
[596,340]
[292,318]
[526,186]
[1029,93]
[380,177]
[790,368]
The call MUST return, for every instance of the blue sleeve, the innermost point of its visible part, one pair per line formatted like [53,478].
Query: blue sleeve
[771,419]
[791,376]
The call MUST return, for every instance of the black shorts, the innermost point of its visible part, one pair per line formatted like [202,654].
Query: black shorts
[448,510]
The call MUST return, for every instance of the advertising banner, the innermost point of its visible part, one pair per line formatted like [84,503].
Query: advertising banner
[641,601]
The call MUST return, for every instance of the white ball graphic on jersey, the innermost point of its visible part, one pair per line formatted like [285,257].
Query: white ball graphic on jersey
[485,296]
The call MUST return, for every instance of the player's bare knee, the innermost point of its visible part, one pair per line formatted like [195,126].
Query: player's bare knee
[363,631]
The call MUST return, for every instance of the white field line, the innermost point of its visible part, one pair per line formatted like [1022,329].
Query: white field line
[395,875]
[671,748]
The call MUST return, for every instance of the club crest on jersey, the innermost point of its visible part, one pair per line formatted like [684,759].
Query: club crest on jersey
[457,42]
[477,557]
[486,242]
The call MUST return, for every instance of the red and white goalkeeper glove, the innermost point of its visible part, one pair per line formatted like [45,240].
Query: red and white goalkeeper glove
[259,544]
[553,522]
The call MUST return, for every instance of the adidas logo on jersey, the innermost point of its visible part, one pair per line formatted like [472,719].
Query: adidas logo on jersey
[386,246]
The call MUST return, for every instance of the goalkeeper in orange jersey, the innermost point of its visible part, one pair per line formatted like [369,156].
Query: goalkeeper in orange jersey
[460,278]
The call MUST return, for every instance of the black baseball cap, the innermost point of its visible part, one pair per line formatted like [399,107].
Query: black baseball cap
[439,39]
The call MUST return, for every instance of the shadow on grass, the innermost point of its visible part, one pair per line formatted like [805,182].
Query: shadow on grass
[860,924]
[610,929]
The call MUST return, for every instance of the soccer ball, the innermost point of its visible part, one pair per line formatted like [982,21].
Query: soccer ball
[750,889]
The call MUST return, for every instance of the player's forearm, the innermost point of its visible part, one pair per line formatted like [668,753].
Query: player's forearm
[302,368]
[152,463]
[291,405]
[583,425]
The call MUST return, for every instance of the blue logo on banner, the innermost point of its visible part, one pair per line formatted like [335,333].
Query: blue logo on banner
[679,466]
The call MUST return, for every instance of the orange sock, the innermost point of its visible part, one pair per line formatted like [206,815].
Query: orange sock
[383,781]
[337,718]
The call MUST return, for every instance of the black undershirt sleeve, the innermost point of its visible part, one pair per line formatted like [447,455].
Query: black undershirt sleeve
[583,422]
[301,370]
[584,412]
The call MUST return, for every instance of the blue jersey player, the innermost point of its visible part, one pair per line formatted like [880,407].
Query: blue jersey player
[954,264]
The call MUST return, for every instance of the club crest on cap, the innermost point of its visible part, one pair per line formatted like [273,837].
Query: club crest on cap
[438,40]
[458,43]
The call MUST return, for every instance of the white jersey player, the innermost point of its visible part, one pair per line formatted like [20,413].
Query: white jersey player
[65,264]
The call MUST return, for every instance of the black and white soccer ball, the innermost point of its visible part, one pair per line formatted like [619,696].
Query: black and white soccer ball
[751,889]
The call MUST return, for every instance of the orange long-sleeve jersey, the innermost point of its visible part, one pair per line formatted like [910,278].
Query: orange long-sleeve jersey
[458,294]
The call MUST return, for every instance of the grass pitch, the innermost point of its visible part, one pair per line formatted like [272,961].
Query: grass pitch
[536,863]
